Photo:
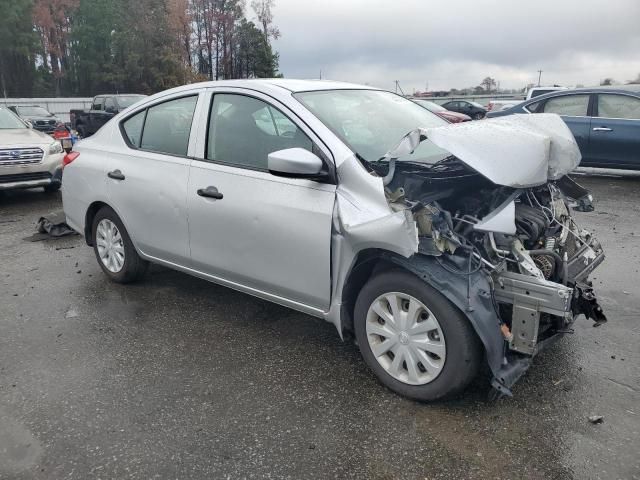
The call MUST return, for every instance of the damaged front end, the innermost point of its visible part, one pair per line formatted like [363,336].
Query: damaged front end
[506,252]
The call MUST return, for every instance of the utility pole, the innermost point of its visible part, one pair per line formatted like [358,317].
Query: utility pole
[539,76]
[320,74]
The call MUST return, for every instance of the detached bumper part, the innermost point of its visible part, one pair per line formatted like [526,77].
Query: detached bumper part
[530,297]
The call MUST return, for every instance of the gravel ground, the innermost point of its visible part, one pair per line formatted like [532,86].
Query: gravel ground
[178,378]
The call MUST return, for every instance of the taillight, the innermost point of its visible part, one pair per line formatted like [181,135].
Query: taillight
[69,157]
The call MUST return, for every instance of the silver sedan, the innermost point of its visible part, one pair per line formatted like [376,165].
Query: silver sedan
[352,204]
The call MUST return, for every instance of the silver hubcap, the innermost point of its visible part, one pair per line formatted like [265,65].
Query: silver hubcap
[110,245]
[406,338]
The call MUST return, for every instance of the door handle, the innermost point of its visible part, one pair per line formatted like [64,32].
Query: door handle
[116,175]
[210,192]
[602,129]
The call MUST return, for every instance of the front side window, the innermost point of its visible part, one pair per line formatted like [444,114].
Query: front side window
[570,105]
[243,131]
[533,107]
[618,106]
[168,125]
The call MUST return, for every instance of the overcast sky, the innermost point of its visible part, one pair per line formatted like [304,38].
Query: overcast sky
[456,43]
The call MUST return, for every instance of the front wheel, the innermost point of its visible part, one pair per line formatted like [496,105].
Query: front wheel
[416,342]
[479,116]
[114,249]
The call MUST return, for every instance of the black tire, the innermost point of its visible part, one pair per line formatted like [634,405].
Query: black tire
[134,267]
[52,187]
[463,348]
[479,116]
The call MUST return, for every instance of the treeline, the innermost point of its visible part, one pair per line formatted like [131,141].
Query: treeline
[86,47]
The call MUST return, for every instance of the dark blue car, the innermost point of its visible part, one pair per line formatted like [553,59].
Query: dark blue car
[604,120]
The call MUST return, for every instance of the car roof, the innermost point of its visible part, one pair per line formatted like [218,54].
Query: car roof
[624,89]
[270,84]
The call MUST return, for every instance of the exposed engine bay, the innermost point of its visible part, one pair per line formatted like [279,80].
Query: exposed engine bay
[523,240]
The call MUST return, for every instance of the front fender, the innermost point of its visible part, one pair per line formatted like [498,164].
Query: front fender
[471,293]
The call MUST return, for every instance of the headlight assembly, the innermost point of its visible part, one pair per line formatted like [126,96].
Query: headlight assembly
[54,148]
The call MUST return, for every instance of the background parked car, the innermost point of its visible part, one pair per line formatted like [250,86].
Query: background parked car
[28,158]
[103,108]
[453,117]
[539,91]
[40,118]
[604,120]
[472,109]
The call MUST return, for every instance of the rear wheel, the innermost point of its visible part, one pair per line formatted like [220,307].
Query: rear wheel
[478,116]
[416,342]
[114,249]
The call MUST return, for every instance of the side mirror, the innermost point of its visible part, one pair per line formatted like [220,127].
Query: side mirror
[295,163]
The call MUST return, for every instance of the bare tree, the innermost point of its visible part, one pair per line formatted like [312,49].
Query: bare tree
[488,84]
[265,18]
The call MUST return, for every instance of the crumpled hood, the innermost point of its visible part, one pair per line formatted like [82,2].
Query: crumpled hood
[514,151]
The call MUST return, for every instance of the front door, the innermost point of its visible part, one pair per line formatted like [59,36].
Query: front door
[147,179]
[615,132]
[573,108]
[262,233]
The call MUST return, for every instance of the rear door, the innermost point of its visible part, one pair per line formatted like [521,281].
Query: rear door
[147,178]
[615,131]
[574,110]
[268,235]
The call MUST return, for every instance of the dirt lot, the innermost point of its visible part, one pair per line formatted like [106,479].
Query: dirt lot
[178,378]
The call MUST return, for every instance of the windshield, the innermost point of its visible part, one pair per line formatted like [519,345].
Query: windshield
[129,100]
[9,120]
[431,106]
[372,122]
[34,111]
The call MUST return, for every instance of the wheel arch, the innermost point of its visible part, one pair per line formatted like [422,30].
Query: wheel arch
[367,262]
[88,219]
[478,308]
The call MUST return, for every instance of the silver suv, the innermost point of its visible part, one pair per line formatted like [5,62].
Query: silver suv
[439,247]
[28,158]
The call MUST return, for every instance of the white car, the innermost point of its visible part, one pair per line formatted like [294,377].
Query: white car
[28,158]
[440,247]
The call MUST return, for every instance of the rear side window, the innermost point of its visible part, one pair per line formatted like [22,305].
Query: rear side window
[570,105]
[98,104]
[133,128]
[618,106]
[168,125]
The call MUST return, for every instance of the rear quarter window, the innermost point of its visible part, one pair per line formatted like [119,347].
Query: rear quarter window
[133,128]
